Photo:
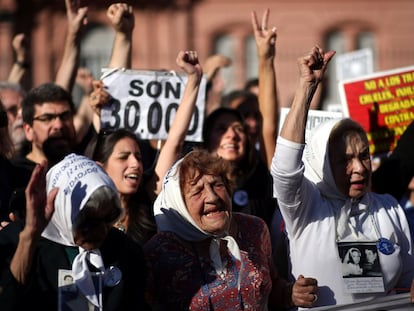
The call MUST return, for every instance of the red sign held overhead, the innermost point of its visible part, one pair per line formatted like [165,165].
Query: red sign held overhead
[383,103]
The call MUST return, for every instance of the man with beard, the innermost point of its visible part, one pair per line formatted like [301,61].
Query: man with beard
[12,94]
[47,113]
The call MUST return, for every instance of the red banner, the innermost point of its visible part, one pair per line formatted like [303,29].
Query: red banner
[383,103]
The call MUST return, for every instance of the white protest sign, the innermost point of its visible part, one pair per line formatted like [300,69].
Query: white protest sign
[315,117]
[145,102]
[354,64]
[346,66]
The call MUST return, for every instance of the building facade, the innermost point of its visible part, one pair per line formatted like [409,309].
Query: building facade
[215,26]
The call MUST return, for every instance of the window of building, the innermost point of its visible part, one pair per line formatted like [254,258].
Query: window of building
[240,47]
[224,46]
[251,60]
[96,49]
[331,101]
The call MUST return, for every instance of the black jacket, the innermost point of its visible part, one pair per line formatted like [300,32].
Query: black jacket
[41,292]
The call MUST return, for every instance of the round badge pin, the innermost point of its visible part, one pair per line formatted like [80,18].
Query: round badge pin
[241,197]
[112,276]
[385,246]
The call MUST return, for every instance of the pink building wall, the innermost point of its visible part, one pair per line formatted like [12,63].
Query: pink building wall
[160,34]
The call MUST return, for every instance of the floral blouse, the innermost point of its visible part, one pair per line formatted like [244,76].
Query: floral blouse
[180,279]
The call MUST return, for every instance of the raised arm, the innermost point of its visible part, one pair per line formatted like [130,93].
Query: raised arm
[268,99]
[122,19]
[84,114]
[76,19]
[20,65]
[171,151]
[39,211]
[212,69]
[312,68]
[98,98]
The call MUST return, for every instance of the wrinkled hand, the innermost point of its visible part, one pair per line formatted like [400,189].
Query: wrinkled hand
[188,61]
[304,292]
[312,67]
[39,206]
[76,15]
[99,97]
[121,17]
[265,38]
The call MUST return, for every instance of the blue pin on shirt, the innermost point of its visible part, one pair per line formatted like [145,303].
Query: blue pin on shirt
[385,246]
[112,276]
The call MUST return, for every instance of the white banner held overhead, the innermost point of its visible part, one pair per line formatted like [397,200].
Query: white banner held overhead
[315,117]
[145,102]
[354,64]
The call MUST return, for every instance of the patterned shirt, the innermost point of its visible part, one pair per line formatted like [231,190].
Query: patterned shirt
[180,279]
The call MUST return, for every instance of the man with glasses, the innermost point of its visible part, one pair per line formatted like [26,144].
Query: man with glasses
[47,114]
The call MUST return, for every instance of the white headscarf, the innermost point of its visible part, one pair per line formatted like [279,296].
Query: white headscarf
[77,177]
[316,159]
[172,215]
[319,171]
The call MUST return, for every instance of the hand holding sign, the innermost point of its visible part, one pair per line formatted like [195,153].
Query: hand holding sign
[98,97]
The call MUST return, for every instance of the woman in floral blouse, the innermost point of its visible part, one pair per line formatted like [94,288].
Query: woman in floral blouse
[207,258]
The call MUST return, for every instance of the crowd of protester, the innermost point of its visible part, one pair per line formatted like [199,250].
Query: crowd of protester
[247,219]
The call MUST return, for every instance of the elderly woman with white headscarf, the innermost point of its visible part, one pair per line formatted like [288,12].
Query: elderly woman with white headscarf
[205,257]
[324,195]
[68,235]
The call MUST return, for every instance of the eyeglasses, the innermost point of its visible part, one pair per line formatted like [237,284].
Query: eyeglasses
[49,117]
